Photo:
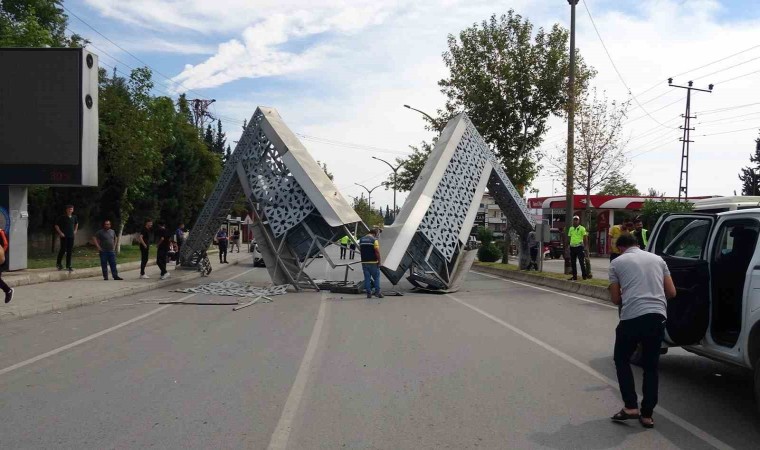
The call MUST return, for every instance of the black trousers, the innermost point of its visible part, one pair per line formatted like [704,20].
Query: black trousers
[352,251]
[67,246]
[533,258]
[577,253]
[143,258]
[647,330]
[343,251]
[3,285]
[161,256]
[222,251]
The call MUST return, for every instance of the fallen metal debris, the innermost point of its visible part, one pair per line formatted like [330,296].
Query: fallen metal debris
[232,289]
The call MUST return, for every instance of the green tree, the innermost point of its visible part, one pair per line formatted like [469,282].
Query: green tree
[220,140]
[35,23]
[510,80]
[488,251]
[750,175]
[618,185]
[652,210]
[411,167]
[208,138]
[370,217]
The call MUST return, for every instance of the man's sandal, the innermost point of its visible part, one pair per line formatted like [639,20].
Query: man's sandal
[622,415]
[645,424]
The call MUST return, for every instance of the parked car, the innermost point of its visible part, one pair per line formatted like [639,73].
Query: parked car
[715,264]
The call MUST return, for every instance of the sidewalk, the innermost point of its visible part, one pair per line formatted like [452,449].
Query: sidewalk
[85,286]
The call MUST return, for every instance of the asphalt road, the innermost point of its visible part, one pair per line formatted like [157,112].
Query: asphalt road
[496,365]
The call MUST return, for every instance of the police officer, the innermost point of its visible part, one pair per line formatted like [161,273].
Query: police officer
[578,243]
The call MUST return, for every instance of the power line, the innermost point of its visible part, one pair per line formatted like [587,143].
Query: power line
[737,77]
[654,148]
[729,118]
[727,68]
[732,131]
[728,108]
[620,76]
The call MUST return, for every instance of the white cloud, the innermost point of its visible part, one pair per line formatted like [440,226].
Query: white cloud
[345,68]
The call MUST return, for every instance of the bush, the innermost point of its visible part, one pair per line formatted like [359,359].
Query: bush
[489,253]
[485,235]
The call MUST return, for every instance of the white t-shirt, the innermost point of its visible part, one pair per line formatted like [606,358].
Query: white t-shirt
[640,275]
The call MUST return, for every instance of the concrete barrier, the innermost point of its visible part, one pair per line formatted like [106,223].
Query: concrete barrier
[587,290]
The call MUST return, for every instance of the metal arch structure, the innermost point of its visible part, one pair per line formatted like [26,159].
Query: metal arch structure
[298,211]
[429,235]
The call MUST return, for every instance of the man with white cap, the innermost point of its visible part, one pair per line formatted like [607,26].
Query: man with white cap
[578,242]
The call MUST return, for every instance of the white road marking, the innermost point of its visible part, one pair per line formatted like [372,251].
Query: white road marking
[282,431]
[691,428]
[96,335]
[545,290]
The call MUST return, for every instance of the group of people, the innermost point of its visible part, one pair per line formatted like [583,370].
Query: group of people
[222,239]
[347,245]
[634,227]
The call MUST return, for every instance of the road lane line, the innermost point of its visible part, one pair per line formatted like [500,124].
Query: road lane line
[96,335]
[281,434]
[683,423]
[545,290]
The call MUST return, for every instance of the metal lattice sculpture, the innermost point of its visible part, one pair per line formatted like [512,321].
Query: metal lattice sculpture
[429,235]
[297,209]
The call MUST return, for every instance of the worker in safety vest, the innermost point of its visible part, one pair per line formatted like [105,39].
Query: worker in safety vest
[344,246]
[640,233]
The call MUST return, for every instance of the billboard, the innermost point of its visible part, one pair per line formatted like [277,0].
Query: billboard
[48,117]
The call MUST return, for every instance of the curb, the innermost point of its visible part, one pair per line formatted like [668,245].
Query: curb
[588,290]
[70,303]
[47,276]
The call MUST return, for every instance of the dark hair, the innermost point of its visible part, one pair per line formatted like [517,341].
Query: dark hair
[627,220]
[68,206]
[161,223]
[147,219]
[106,220]
[626,241]
[637,220]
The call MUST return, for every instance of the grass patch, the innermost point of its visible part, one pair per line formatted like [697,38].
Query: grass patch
[558,276]
[84,257]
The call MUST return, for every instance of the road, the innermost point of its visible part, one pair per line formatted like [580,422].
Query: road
[497,365]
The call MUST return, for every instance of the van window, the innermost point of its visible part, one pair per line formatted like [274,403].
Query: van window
[684,237]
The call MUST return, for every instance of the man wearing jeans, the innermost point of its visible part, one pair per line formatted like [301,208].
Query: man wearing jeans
[639,281]
[105,241]
[66,226]
[369,249]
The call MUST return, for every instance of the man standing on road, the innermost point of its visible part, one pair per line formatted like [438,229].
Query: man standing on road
[105,240]
[221,239]
[66,226]
[615,232]
[179,238]
[578,243]
[369,249]
[235,240]
[343,246]
[162,249]
[3,250]
[640,233]
[144,240]
[533,247]
[639,281]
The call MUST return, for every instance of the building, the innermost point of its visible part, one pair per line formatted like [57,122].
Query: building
[490,215]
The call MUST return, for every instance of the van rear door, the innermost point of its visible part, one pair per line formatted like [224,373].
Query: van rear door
[682,241]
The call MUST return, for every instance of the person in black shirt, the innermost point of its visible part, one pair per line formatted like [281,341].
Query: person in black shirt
[162,249]
[144,240]
[221,239]
[66,226]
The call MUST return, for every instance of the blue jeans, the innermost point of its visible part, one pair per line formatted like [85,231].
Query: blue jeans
[108,259]
[371,272]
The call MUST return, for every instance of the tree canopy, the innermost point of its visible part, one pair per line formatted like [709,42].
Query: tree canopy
[617,184]
[750,175]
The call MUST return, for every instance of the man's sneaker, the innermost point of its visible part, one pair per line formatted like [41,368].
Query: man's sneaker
[144,277]
[379,295]
[9,296]
[369,295]
[70,269]
[105,278]
[117,278]
[59,267]
[572,279]
[168,274]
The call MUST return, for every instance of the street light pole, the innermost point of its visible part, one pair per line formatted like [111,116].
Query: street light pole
[369,193]
[432,121]
[570,136]
[395,174]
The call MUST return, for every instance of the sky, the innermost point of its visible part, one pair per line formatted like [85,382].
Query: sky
[340,71]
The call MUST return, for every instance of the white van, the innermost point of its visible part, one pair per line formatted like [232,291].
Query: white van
[724,204]
[715,264]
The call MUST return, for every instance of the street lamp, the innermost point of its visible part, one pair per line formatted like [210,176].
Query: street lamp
[369,193]
[395,174]
[432,121]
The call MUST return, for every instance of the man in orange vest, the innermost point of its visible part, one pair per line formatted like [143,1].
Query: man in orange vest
[4,246]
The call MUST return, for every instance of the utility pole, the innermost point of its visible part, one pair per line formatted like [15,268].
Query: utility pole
[570,137]
[200,112]
[395,174]
[683,184]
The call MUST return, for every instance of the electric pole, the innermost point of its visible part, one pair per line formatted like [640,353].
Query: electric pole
[200,112]
[570,137]
[683,184]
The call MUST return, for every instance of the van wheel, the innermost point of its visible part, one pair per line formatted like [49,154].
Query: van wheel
[757,384]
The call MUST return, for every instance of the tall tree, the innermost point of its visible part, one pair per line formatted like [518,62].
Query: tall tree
[617,184]
[411,166]
[369,216]
[599,144]
[750,175]
[510,79]
[652,192]
[35,23]
[220,139]
[208,138]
